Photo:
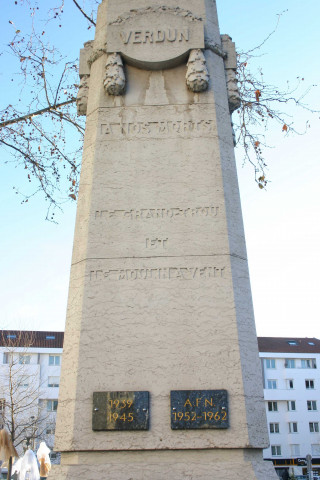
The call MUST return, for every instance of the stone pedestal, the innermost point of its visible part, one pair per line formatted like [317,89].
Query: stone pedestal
[159,294]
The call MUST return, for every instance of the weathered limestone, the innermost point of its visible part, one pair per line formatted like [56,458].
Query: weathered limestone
[230,65]
[197,76]
[114,82]
[84,74]
[159,294]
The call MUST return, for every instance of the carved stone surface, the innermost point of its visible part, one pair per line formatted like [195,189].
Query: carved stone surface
[215,48]
[154,37]
[156,9]
[197,76]
[159,296]
[230,65]
[95,54]
[84,61]
[114,82]
[84,74]
[82,97]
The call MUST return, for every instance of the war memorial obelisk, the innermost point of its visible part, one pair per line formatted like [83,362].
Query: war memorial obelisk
[160,375]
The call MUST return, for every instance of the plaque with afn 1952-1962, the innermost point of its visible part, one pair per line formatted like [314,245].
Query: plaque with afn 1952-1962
[120,411]
[192,409]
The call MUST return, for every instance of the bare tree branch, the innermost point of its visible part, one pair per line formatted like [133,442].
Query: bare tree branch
[83,13]
[51,108]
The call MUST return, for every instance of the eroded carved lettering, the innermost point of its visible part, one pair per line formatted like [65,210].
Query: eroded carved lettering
[156,213]
[159,128]
[148,36]
[157,273]
[156,243]
[125,36]
[137,38]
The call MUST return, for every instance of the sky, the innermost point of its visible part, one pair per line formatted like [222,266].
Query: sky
[281,223]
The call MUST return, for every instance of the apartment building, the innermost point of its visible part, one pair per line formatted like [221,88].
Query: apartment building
[30,365]
[291,382]
[29,386]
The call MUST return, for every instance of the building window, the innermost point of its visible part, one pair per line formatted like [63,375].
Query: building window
[289,363]
[53,381]
[275,450]
[24,381]
[292,343]
[310,384]
[308,363]
[270,363]
[314,427]
[50,431]
[311,405]
[291,404]
[295,449]
[7,358]
[290,384]
[272,406]
[54,360]
[52,405]
[11,336]
[50,337]
[293,427]
[274,428]
[272,384]
[315,449]
[24,359]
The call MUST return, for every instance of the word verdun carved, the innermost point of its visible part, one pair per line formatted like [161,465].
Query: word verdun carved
[155,36]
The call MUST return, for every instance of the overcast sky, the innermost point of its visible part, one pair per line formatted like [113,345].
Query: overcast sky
[282,223]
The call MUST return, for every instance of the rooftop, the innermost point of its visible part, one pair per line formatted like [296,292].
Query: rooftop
[288,345]
[31,339]
[43,339]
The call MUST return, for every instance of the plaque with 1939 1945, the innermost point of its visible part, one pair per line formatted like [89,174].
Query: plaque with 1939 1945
[120,411]
[203,409]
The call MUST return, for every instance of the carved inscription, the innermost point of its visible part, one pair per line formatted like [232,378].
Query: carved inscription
[156,273]
[157,35]
[157,213]
[156,243]
[159,128]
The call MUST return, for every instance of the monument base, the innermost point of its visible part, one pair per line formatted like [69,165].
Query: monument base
[215,464]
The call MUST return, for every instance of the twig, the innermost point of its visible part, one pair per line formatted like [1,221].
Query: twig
[51,108]
[83,13]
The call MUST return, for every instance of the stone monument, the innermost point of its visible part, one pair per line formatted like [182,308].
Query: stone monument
[160,374]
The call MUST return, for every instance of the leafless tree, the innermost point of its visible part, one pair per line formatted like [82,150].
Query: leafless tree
[263,105]
[21,412]
[44,135]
